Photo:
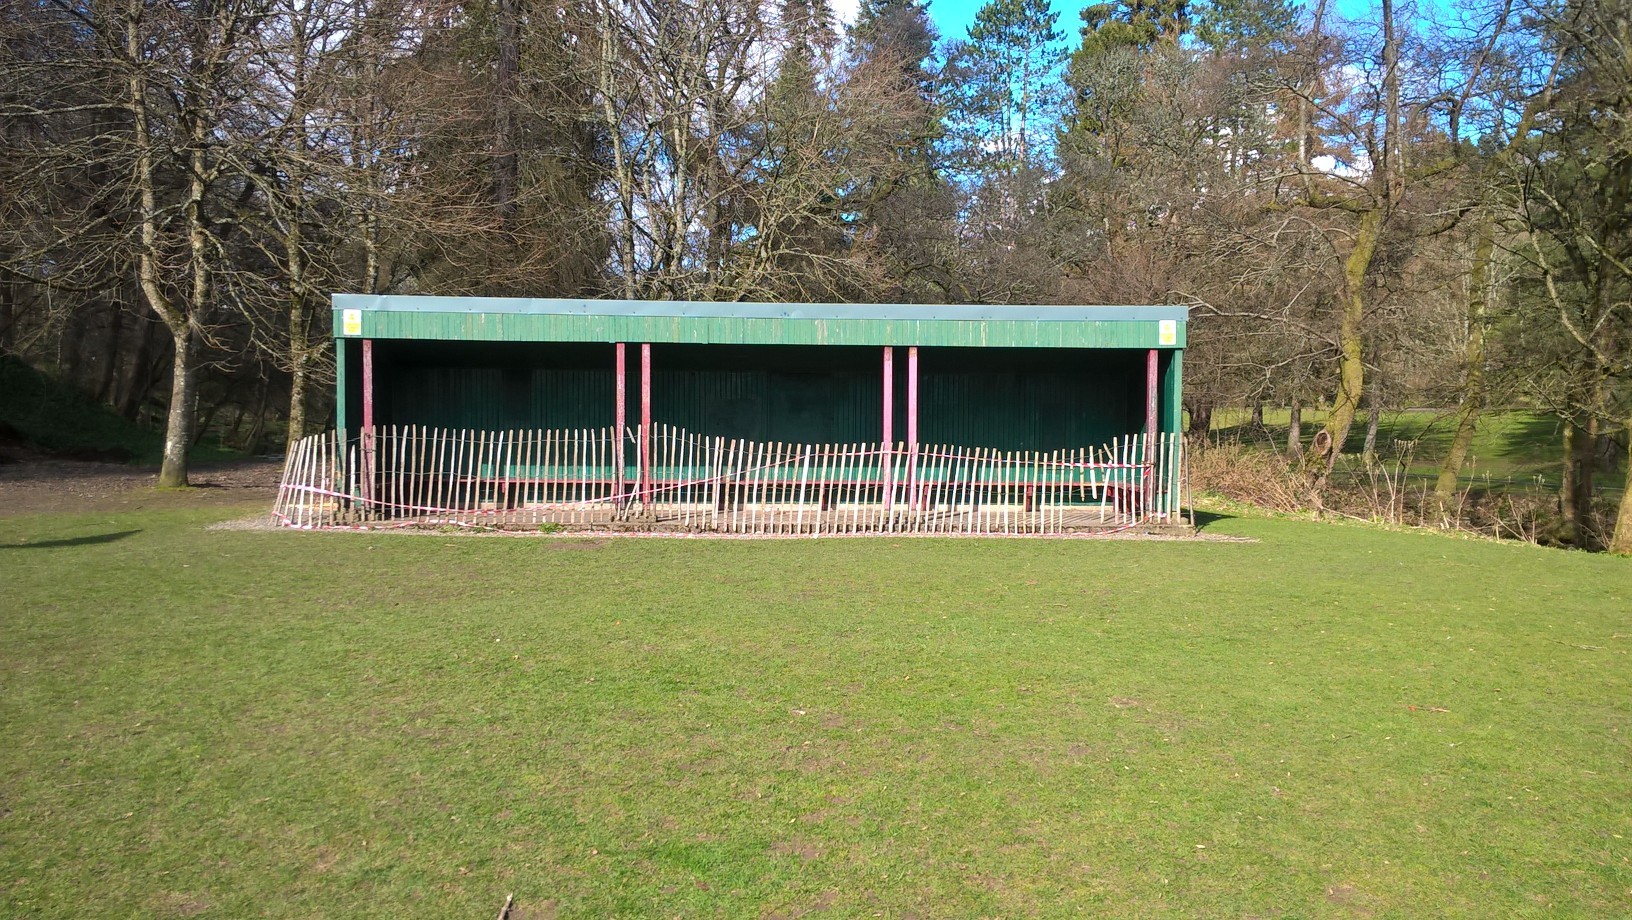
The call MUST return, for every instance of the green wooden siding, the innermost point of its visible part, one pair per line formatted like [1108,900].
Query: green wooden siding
[1172,391]
[995,331]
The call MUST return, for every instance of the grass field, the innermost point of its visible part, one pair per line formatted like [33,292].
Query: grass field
[1511,448]
[1331,721]
[57,417]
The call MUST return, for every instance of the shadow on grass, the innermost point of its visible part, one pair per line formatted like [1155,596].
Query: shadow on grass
[1532,441]
[91,540]
[1205,519]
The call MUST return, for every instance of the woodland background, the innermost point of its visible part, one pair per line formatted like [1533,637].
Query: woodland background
[1427,205]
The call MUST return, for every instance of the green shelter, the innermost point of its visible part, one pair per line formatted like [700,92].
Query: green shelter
[1009,377]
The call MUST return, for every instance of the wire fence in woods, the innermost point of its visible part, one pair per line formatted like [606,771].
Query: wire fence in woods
[666,479]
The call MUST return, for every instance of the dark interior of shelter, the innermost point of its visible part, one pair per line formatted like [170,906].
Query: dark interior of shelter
[1007,398]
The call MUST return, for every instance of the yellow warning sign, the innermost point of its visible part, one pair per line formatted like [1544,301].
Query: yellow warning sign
[1168,332]
[351,322]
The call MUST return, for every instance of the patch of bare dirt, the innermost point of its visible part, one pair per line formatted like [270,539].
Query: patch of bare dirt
[53,486]
[822,904]
[796,848]
[543,910]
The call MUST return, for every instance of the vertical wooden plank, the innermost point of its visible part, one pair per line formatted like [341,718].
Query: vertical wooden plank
[535,470]
[297,494]
[416,498]
[889,423]
[409,474]
[988,503]
[756,477]
[757,452]
[1153,427]
[1011,483]
[912,414]
[405,463]
[449,490]
[368,419]
[937,469]
[279,503]
[867,456]
[620,372]
[733,494]
[692,479]
[405,475]
[427,489]
[467,485]
[456,457]
[314,496]
[467,479]
[804,479]
[645,422]
[976,489]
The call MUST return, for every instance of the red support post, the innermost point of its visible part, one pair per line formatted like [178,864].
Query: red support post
[885,463]
[620,421]
[1152,395]
[368,420]
[645,422]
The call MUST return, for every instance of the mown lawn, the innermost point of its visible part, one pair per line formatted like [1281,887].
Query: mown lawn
[1331,721]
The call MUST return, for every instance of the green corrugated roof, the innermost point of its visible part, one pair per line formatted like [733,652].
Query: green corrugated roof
[504,319]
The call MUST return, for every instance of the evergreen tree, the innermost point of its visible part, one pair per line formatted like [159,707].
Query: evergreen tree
[903,216]
[1005,93]
[1136,24]
[899,31]
[1244,26]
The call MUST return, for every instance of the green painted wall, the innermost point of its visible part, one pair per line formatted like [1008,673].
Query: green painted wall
[735,330]
[1172,392]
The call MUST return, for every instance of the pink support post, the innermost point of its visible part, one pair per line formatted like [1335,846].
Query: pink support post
[368,419]
[645,422]
[889,426]
[620,421]
[912,421]
[1152,432]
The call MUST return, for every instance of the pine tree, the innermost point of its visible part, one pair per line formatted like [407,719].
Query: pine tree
[1134,24]
[1004,93]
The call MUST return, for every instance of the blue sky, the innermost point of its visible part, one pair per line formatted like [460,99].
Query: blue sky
[953,17]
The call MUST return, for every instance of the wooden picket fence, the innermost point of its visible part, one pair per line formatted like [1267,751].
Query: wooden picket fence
[668,480]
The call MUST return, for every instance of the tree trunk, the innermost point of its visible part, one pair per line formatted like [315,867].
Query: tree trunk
[178,432]
[1294,431]
[505,159]
[1201,417]
[1473,365]
[297,403]
[69,342]
[203,421]
[1351,368]
[8,317]
[1580,463]
[1374,414]
[252,444]
[111,351]
[1374,417]
[141,375]
[1621,542]
[1257,416]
